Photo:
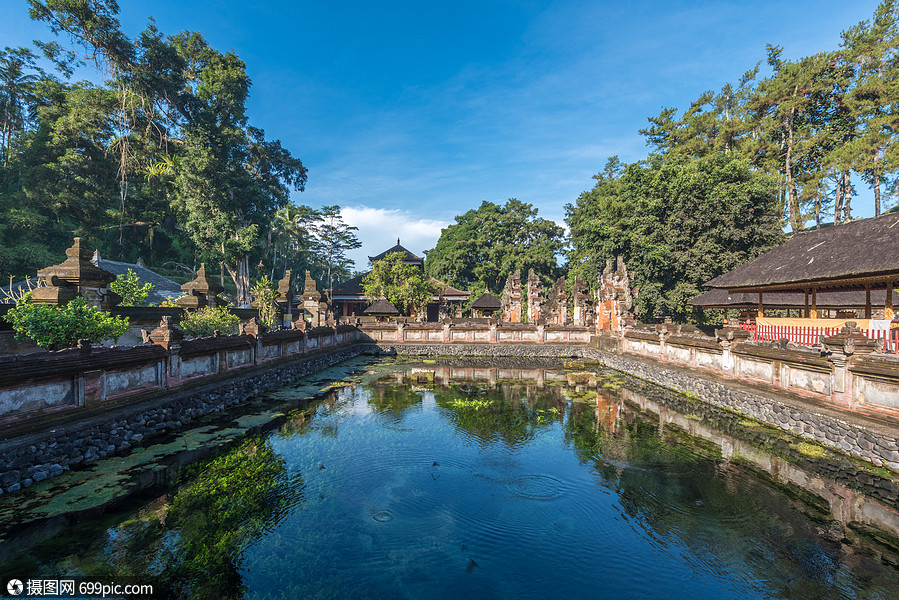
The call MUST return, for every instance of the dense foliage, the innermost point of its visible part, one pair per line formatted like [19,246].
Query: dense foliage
[129,287]
[678,222]
[810,124]
[487,244]
[159,163]
[209,319]
[403,285]
[264,295]
[56,328]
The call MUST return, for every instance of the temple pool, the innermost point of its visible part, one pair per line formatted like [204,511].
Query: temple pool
[453,479]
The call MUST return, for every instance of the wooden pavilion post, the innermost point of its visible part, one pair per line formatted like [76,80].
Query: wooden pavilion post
[761,306]
[814,312]
[806,314]
[888,306]
[868,301]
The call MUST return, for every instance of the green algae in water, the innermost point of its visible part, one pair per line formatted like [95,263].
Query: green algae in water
[381,490]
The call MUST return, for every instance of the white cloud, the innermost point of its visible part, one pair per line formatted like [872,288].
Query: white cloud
[379,229]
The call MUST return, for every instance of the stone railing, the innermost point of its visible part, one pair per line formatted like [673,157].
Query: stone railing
[849,370]
[85,378]
[465,332]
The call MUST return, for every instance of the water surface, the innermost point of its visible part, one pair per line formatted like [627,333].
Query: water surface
[428,480]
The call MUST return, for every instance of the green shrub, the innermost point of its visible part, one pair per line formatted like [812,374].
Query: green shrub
[206,321]
[55,327]
[127,285]
[264,293]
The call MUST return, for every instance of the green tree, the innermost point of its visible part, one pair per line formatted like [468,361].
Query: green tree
[128,286]
[334,239]
[264,295]
[872,48]
[55,327]
[403,285]
[678,222]
[487,244]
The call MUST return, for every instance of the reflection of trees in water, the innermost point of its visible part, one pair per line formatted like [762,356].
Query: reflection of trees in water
[676,487]
[391,400]
[193,543]
[509,413]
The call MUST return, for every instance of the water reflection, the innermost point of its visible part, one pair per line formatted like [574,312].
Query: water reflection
[445,480]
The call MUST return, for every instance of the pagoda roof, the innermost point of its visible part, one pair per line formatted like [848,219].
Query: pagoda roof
[408,257]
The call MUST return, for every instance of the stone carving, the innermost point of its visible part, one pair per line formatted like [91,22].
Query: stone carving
[511,299]
[76,276]
[535,298]
[614,299]
[200,292]
[556,308]
[168,334]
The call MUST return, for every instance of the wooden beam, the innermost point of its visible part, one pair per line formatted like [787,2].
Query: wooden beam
[868,301]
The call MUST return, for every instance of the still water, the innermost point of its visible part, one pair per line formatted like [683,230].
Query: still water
[454,480]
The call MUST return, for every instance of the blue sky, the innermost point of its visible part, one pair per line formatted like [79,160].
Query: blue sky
[410,113]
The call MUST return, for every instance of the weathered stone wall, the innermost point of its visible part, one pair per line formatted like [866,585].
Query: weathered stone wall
[853,434]
[35,457]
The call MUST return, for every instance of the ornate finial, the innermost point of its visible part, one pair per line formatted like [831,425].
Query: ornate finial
[397,240]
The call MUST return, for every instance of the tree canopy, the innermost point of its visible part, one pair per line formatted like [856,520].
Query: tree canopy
[403,285]
[678,222]
[486,244]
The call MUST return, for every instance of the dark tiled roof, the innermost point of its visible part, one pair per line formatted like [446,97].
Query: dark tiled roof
[868,247]
[351,287]
[719,298]
[448,290]
[381,307]
[162,286]
[487,302]
[409,257]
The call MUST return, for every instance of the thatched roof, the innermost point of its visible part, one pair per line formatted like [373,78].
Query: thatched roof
[381,307]
[487,302]
[846,255]
[720,298]
[408,256]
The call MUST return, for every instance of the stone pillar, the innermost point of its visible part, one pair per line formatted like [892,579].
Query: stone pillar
[535,297]
[728,337]
[285,299]
[169,335]
[840,349]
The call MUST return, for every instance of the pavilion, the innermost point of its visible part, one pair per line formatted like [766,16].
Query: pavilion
[351,300]
[861,256]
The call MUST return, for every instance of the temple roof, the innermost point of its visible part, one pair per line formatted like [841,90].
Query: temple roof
[720,298]
[848,255]
[381,307]
[408,258]
[487,301]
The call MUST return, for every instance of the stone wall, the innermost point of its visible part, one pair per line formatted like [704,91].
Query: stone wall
[468,333]
[855,434]
[27,459]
